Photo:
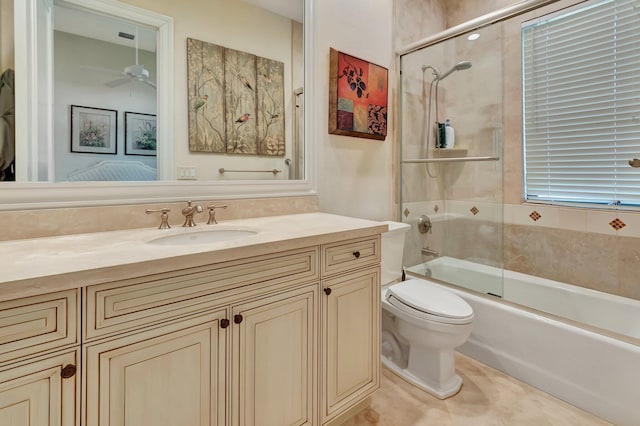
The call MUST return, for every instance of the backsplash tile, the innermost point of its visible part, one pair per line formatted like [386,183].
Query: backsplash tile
[17,225]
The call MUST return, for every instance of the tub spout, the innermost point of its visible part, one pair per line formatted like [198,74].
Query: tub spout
[429,252]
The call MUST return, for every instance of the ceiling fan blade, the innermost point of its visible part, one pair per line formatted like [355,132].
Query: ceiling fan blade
[103,70]
[118,82]
[137,69]
[150,83]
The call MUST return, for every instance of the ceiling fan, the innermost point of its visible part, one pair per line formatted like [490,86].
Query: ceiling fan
[135,72]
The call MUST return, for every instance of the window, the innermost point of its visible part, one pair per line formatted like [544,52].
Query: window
[581,104]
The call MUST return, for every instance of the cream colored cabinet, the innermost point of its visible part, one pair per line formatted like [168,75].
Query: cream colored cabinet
[350,340]
[283,338]
[177,374]
[42,392]
[169,375]
[274,359]
[34,325]
[39,357]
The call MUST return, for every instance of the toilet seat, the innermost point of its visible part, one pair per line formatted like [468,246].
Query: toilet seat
[424,300]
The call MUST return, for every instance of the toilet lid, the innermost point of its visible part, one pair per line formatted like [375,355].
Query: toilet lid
[429,299]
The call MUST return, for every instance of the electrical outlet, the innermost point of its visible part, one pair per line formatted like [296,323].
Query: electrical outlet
[187,173]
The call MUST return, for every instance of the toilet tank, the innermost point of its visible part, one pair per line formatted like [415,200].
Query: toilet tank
[392,248]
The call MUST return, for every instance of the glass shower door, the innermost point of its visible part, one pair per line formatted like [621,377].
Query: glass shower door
[451,194]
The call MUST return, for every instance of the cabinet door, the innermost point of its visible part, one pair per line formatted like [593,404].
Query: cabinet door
[274,354]
[351,340]
[168,376]
[36,394]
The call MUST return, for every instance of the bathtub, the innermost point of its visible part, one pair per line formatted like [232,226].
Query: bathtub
[588,369]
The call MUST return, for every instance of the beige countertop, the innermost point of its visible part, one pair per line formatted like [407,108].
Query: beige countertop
[42,265]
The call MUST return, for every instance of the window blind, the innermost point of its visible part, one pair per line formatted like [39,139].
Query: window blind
[581,104]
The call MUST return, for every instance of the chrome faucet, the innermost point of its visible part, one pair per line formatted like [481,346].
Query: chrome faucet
[429,252]
[188,213]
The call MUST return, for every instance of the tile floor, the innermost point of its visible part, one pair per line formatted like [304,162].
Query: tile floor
[487,397]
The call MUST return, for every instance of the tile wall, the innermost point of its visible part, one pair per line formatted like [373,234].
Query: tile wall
[586,247]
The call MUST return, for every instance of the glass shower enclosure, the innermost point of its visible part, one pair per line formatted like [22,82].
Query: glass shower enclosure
[451,188]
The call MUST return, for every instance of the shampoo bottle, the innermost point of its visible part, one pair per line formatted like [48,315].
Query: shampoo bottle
[450,135]
[441,135]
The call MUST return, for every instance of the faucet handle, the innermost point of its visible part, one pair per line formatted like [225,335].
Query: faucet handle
[212,213]
[164,217]
[424,224]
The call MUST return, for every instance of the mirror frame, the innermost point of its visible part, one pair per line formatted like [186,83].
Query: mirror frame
[32,112]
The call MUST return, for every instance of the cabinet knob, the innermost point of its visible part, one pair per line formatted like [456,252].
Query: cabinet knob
[68,371]
[224,323]
[237,318]
[356,254]
[327,291]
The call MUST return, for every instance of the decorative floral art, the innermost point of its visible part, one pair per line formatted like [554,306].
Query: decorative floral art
[93,130]
[358,93]
[140,133]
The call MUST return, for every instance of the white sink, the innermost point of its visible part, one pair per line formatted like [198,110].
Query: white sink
[203,237]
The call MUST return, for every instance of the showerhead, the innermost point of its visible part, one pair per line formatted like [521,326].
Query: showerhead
[434,70]
[464,65]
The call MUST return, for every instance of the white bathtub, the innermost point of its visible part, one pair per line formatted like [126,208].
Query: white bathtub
[595,372]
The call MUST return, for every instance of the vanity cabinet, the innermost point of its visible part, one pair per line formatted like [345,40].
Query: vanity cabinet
[39,356]
[283,338]
[274,359]
[169,375]
[231,343]
[351,324]
[42,392]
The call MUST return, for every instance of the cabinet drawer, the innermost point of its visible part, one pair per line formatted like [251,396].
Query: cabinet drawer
[39,323]
[119,306]
[347,255]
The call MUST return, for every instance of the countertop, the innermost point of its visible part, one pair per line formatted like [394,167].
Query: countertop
[42,265]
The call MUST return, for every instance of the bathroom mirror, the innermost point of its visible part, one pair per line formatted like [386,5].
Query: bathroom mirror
[181,173]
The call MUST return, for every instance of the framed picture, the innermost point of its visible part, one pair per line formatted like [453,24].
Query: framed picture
[358,93]
[139,133]
[94,130]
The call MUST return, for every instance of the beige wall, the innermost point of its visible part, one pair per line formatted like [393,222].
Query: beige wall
[460,11]
[354,175]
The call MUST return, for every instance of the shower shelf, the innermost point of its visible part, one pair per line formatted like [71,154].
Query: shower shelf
[448,160]
[448,152]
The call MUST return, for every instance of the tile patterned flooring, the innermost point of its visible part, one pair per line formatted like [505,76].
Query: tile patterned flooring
[488,397]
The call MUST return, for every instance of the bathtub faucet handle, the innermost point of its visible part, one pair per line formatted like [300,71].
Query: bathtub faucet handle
[424,224]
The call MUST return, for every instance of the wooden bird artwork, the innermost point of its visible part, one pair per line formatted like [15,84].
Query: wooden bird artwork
[244,81]
[243,119]
[201,102]
[266,77]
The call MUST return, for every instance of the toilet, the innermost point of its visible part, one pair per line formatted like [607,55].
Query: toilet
[422,323]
